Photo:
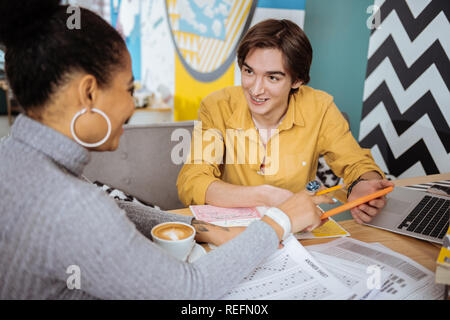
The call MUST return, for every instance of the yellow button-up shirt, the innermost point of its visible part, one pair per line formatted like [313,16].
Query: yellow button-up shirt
[226,146]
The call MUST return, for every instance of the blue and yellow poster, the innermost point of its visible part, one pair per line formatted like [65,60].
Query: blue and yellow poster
[126,18]
[184,50]
[206,35]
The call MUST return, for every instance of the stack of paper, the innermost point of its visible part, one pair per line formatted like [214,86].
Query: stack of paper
[374,271]
[341,269]
[290,274]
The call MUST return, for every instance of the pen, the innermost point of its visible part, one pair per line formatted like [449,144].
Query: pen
[357,202]
[329,190]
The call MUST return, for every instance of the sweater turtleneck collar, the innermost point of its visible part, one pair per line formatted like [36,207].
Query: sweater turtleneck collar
[61,149]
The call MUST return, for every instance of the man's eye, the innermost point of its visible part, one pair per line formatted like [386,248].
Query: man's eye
[131,91]
[248,71]
[272,78]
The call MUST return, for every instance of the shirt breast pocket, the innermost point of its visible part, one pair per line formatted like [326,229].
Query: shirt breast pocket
[294,170]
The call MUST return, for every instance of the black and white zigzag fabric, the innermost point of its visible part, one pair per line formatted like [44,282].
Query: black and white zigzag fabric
[120,195]
[406,104]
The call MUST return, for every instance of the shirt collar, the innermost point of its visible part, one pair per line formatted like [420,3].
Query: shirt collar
[242,118]
[293,113]
[59,148]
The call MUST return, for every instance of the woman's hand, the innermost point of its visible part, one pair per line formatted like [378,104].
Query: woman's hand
[365,212]
[303,211]
[216,235]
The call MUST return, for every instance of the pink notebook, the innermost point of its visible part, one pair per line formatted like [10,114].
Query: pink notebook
[225,216]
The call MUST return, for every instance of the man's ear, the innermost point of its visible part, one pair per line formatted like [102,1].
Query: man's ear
[296,84]
[87,91]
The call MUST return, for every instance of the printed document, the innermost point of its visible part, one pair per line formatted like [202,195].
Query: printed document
[290,273]
[374,271]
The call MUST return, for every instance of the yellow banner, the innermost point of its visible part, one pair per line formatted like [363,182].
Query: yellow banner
[189,92]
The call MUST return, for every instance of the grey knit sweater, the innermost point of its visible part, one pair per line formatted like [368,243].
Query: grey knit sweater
[55,227]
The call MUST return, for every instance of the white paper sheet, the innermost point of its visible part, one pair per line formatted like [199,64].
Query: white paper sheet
[291,273]
[351,274]
[400,277]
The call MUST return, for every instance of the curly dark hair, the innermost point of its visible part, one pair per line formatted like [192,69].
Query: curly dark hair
[42,51]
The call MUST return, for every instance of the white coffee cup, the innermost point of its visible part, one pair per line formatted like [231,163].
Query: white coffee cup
[177,238]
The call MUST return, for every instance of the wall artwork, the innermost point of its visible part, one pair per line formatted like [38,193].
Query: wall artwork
[205,37]
[406,109]
[183,50]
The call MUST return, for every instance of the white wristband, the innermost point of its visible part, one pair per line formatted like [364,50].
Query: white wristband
[281,218]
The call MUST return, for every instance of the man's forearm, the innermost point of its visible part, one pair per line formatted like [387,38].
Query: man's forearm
[371,175]
[224,194]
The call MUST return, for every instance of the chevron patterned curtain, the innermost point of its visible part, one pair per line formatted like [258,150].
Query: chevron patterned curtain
[406,103]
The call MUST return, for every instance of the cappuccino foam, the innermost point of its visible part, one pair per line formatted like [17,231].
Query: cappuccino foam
[173,232]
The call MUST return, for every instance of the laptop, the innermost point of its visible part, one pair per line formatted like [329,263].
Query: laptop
[418,214]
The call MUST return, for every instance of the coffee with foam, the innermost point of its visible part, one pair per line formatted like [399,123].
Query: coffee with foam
[177,238]
[173,231]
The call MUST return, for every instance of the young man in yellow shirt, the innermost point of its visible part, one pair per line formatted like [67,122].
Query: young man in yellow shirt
[257,144]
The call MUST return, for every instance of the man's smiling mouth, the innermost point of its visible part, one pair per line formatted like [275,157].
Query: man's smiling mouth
[258,100]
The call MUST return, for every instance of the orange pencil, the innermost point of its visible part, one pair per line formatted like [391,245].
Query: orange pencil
[329,190]
[356,202]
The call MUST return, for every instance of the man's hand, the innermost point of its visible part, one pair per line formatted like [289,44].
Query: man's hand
[365,212]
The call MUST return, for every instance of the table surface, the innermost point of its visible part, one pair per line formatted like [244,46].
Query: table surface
[423,252]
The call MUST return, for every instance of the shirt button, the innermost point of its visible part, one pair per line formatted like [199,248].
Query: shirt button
[304,163]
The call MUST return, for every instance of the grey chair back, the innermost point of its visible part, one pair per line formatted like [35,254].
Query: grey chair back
[147,162]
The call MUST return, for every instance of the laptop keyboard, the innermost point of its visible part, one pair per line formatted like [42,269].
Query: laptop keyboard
[430,217]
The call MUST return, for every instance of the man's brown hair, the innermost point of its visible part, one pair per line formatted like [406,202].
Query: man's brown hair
[286,36]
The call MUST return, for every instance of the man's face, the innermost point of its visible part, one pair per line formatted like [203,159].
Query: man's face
[266,82]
